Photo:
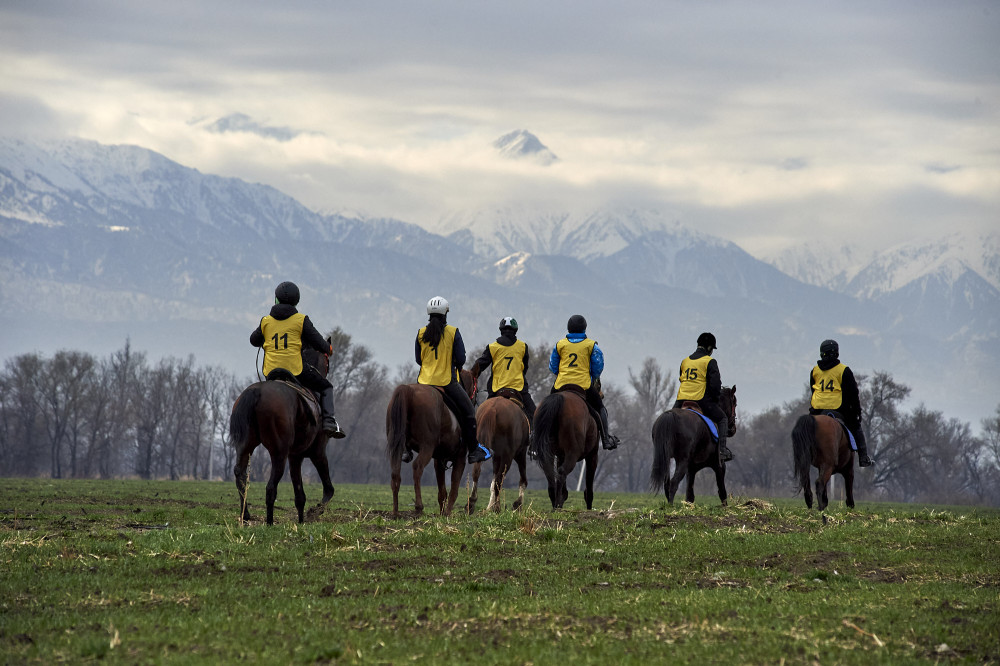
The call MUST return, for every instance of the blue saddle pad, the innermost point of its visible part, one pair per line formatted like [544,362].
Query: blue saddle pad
[711,426]
[850,436]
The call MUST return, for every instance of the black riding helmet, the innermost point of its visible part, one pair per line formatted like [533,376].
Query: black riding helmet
[829,349]
[576,324]
[707,341]
[286,292]
[508,322]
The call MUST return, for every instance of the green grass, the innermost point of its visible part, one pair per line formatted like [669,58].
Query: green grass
[162,572]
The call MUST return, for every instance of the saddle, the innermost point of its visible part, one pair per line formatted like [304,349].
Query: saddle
[696,408]
[835,415]
[512,395]
[308,398]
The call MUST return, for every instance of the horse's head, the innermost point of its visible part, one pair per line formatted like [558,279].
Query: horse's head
[729,407]
[316,359]
[468,383]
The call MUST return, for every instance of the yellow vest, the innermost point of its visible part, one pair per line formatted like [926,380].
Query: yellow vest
[508,365]
[283,343]
[828,389]
[693,378]
[436,364]
[574,362]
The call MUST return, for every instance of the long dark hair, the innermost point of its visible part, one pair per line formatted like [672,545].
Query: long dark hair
[435,329]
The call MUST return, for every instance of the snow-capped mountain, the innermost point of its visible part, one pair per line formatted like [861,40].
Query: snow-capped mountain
[523,145]
[823,264]
[99,243]
[500,231]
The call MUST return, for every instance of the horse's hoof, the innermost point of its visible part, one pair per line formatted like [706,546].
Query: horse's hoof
[516,505]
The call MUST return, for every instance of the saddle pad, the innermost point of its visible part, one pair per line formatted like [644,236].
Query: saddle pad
[711,426]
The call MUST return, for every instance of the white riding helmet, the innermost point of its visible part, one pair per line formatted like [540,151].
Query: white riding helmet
[437,305]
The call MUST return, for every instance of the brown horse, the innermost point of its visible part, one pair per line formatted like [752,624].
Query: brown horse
[418,419]
[502,426]
[821,442]
[683,435]
[563,433]
[277,415]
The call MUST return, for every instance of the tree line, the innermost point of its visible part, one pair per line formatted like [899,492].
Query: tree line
[73,415]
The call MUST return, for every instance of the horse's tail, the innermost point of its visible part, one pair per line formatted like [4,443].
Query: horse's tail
[803,443]
[396,423]
[545,429]
[243,416]
[663,449]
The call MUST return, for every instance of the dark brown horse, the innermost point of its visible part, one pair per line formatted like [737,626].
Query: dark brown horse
[821,442]
[502,426]
[682,435]
[418,419]
[563,433]
[279,416]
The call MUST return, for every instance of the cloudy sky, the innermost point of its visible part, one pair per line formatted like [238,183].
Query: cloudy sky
[767,123]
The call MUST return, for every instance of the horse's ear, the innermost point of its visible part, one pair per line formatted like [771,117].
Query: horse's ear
[329,340]
[734,389]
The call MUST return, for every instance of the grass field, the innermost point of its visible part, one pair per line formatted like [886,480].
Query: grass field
[161,572]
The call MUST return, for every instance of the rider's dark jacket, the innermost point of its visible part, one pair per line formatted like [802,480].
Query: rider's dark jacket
[834,387]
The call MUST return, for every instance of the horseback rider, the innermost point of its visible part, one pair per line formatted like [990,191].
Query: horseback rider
[283,333]
[508,358]
[701,382]
[834,388]
[440,353]
[577,362]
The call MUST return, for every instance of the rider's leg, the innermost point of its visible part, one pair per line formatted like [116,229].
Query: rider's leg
[859,439]
[608,441]
[311,379]
[714,411]
[467,421]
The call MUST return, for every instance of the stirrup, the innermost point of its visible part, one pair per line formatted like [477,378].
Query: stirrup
[480,454]
[865,461]
[610,443]
[332,428]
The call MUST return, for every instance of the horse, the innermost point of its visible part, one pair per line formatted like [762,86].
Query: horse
[277,415]
[681,434]
[502,426]
[418,419]
[821,441]
[564,432]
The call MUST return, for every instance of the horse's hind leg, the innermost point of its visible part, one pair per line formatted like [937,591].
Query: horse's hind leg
[588,480]
[295,472]
[277,471]
[322,466]
[822,483]
[689,492]
[500,470]
[470,506]
[241,472]
[680,469]
[442,489]
[522,484]
[848,475]
[806,485]
[720,481]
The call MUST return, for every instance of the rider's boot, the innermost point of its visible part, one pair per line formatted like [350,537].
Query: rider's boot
[407,456]
[608,441]
[725,455]
[330,425]
[477,452]
[859,439]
